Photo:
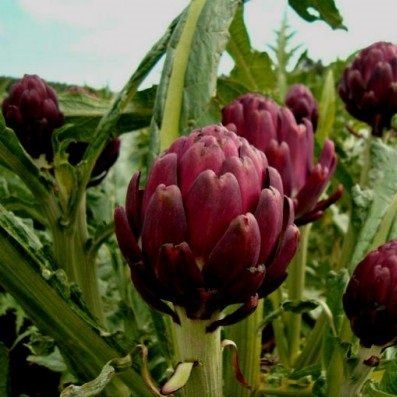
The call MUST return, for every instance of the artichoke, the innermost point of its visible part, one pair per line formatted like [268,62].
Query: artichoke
[208,230]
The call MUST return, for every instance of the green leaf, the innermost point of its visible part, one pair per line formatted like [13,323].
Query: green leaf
[388,383]
[374,210]
[253,69]
[316,10]
[189,74]
[14,158]
[326,109]
[84,111]
[371,389]
[3,370]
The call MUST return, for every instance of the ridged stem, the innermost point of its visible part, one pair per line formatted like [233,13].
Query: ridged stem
[296,286]
[279,331]
[353,385]
[70,251]
[193,343]
[248,338]
[336,365]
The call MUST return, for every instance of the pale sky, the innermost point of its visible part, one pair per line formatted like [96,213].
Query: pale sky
[100,42]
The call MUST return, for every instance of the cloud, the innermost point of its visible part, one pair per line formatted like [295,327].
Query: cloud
[109,27]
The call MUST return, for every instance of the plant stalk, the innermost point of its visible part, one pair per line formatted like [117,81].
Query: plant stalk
[296,286]
[279,331]
[248,338]
[71,253]
[193,343]
[360,373]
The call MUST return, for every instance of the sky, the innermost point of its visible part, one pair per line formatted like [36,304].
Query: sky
[100,42]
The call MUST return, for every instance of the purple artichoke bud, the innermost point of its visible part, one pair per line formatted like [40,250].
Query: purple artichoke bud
[369,86]
[370,300]
[104,162]
[289,148]
[31,110]
[207,226]
[301,102]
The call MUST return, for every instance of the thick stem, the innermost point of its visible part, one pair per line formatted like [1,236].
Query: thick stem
[279,331]
[336,366]
[193,343]
[353,385]
[70,251]
[248,338]
[296,286]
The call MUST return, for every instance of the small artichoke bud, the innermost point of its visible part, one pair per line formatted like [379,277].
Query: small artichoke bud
[369,86]
[301,102]
[370,300]
[207,230]
[289,148]
[104,162]
[31,110]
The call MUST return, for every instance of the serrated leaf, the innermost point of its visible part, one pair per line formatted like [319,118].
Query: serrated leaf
[189,74]
[315,10]
[84,110]
[93,387]
[253,69]
[375,209]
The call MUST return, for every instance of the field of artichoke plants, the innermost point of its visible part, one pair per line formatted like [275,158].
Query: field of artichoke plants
[253,212]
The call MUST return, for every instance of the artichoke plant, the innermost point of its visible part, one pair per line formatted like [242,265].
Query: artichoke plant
[289,148]
[208,230]
[368,86]
[301,102]
[371,296]
[31,109]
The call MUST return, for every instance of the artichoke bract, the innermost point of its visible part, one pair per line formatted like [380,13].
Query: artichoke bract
[370,300]
[208,230]
[369,86]
[301,102]
[31,110]
[289,148]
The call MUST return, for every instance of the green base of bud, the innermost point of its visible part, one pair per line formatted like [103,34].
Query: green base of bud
[193,343]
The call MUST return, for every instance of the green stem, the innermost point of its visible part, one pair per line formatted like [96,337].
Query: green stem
[248,339]
[336,365]
[312,348]
[70,251]
[193,343]
[279,331]
[173,102]
[361,371]
[296,286]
